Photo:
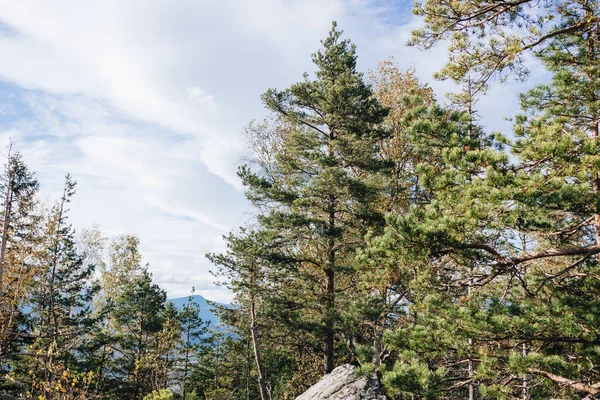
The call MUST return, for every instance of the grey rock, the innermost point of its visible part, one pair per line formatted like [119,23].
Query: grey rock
[342,383]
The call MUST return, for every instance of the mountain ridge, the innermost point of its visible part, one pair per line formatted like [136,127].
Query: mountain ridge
[207,310]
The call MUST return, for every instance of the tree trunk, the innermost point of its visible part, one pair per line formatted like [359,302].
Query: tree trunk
[329,313]
[186,363]
[330,285]
[6,223]
[52,292]
[470,365]
[596,190]
[264,393]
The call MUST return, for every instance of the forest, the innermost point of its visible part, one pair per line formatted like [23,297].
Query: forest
[391,230]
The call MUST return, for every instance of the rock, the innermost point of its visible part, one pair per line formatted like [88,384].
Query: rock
[342,383]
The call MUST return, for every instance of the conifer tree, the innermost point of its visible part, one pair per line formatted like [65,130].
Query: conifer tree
[515,243]
[193,337]
[247,273]
[491,40]
[221,370]
[61,304]
[19,188]
[414,249]
[138,321]
[322,186]
[166,345]
[20,236]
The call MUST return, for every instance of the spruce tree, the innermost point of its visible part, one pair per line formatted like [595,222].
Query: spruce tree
[21,226]
[61,304]
[19,188]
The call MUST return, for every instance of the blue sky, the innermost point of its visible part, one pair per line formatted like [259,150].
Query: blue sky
[145,102]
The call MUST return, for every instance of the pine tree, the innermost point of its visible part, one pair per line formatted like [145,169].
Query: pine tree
[491,40]
[138,319]
[320,191]
[515,244]
[221,370]
[384,289]
[247,272]
[194,331]
[166,345]
[429,331]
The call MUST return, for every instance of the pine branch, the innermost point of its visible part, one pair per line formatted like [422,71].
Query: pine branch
[579,386]
[552,252]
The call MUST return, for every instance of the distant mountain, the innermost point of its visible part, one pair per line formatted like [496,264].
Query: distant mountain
[207,311]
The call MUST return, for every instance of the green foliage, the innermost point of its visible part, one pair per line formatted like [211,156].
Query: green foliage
[67,332]
[413,377]
[60,302]
[193,332]
[391,232]
[504,250]
[20,225]
[490,40]
[316,182]
[162,394]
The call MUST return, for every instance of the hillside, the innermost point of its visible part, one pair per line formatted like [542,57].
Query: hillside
[207,310]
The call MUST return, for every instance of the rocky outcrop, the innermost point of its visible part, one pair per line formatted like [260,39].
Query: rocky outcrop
[342,383]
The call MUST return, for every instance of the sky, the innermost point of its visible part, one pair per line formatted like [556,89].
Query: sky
[144,103]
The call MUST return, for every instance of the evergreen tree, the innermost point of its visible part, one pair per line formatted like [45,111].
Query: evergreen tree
[427,278]
[222,369]
[246,272]
[19,188]
[60,305]
[20,236]
[319,192]
[194,332]
[166,346]
[490,40]
[138,321]
[509,250]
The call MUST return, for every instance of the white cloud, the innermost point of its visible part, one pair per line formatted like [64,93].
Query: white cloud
[202,98]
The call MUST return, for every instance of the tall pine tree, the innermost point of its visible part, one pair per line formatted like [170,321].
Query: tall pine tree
[320,190]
